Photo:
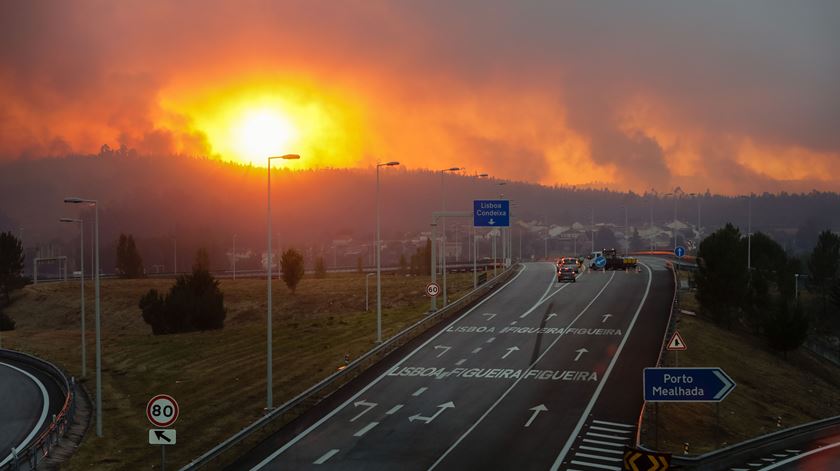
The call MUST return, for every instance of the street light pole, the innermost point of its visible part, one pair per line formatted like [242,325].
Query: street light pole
[74,200]
[234,256]
[81,284]
[749,234]
[379,258]
[269,376]
[367,290]
[475,247]
[443,229]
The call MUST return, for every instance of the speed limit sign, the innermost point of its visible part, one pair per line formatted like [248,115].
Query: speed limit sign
[162,410]
[432,289]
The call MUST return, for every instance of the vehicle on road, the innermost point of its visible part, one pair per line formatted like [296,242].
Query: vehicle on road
[618,262]
[565,274]
[570,262]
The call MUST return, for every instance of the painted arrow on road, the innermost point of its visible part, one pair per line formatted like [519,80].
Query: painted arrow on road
[551,315]
[580,352]
[489,314]
[445,349]
[441,408]
[605,317]
[369,405]
[537,410]
[509,351]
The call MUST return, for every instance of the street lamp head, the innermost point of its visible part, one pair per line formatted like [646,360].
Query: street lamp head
[483,175]
[285,157]
[452,169]
[69,220]
[388,164]
[76,200]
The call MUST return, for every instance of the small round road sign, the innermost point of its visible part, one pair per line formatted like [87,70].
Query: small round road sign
[162,410]
[432,289]
[679,251]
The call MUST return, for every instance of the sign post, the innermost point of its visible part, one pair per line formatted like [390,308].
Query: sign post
[162,411]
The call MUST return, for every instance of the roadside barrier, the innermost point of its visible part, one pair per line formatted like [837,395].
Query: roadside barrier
[36,452]
[275,419]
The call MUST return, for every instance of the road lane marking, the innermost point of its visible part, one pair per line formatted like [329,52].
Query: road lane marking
[588,410]
[605,317]
[365,429]
[335,411]
[604,422]
[580,352]
[595,427]
[509,351]
[603,435]
[510,388]
[323,459]
[491,339]
[513,323]
[602,450]
[394,409]
[596,465]
[537,410]
[420,391]
[489,314]
[553,314]
[44,410]
[369,405]
[444,347]
[477,350]
[601,442]
[598,457]
[441,408]
[460,362]
[543,298]
[799,457]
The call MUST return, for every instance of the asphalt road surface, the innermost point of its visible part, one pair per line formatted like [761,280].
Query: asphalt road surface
[539,375]
[24,407]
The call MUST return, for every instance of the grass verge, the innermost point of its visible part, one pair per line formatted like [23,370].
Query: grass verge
[798,388]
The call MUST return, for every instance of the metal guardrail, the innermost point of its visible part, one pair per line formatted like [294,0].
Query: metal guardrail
[668,332]
[331,383]
[758,447]
[37,450]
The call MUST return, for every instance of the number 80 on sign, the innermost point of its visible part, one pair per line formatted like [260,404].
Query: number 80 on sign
[162,410]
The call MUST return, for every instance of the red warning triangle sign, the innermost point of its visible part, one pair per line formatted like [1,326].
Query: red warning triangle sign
[676,342]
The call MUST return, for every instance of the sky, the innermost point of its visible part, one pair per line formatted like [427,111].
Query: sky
[732,97]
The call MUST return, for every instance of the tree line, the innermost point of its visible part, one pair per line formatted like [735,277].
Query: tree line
[752,283]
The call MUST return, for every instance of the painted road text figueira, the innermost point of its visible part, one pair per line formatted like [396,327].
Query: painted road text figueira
[494,373]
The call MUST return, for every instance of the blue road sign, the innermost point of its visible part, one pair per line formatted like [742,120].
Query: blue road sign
[679,251]
[491,213]
[686,384]
[600,261]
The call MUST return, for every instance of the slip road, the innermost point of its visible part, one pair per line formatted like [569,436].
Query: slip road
[508,385]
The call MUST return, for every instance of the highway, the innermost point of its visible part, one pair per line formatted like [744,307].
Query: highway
[24,407]
[539,375]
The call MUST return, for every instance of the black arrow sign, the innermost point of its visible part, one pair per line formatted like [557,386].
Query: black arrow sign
[161,435]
